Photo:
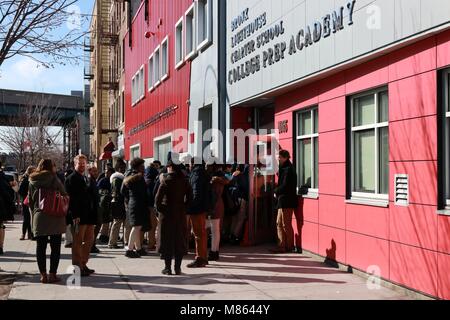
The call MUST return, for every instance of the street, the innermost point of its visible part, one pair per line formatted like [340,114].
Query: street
[243,273]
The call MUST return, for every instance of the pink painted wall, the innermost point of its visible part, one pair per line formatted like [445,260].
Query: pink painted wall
[410,245]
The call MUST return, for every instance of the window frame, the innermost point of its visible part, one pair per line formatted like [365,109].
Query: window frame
[151,68]
[132,90]
[208,37]
[312,192]
[376,126]
[157,62]
[181,62]
[142,82]
[165,42]
[445,92]
[193,53]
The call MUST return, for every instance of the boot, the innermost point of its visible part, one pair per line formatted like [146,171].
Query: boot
[178,261]
[53,278]
[213,256]
[168,268]
[44,278]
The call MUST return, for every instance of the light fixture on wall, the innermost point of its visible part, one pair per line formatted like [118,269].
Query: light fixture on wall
[149,34]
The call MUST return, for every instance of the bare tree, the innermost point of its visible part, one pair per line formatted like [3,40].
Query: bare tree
[33,135]
[27,28]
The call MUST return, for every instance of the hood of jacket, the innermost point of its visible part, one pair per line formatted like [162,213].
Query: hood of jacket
[133,179]
[42,179]
[116,175]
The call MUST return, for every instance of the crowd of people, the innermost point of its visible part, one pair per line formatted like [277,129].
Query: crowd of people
[166,209]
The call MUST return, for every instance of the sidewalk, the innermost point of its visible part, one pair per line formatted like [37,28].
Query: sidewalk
[241,274]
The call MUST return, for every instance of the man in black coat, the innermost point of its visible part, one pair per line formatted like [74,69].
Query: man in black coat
[200,205]
[82,208]
[287,202]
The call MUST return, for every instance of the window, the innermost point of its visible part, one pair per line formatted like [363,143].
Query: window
[162,147]
[190,48]
[133,90]
[204,23]
[157,66]
[179,44]
[138,89]
[445,168]
[165,59]
[308,151]
[122,106]
[151,68]
[135,152]
[370,145]
[141,83]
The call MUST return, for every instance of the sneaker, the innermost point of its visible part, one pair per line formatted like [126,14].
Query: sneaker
[142,252]
[132,254]
[95,250]
[197,263]
[167,272]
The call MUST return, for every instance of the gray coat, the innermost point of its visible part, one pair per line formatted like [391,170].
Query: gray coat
[45,225]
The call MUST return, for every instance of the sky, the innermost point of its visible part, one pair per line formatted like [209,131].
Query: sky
[22,73]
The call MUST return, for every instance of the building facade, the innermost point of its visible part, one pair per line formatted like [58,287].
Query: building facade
[120,22]
[157,80]
[358,92]
[103,76]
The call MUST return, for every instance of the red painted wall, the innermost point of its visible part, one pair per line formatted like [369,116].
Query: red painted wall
[410,245]
[173,91]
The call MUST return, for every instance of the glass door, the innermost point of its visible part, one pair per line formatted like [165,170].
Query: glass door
[262,206]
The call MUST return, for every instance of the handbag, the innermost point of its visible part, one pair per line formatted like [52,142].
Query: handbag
[53,203]
[26,201]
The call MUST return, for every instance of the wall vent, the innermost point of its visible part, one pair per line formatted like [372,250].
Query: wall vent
[401,190]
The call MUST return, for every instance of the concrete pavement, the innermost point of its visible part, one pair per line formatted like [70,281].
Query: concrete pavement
[241,274]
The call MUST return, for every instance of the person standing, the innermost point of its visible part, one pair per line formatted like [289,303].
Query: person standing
[23,193]
[218,183]
[7,207]
[287,202]
[241,181]
[151,175]
[134,190]
[46,228]
[172,199]
[82,208]
[68,239]
[201,189]
[104,209]
[118,212]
